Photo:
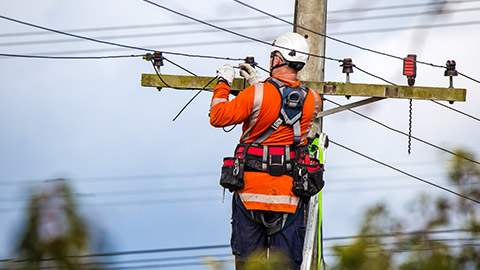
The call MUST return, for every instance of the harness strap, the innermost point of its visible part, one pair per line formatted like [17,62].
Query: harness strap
[265,157]
[297,135]
[258,216]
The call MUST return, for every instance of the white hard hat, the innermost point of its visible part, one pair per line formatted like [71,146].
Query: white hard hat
[292,46]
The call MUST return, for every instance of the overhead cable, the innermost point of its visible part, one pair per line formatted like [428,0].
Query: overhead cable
[183,258]
[405,173]
[401,15]
[455,110]
[176,191]
[226,246]
[74,35]
[233,32]
[374,30]
[175,45]
[353,32]
[403,28]
[468,77]
[126,27]
[401,6]
[396,234]
[405,134]
[130,252]
[171,33]
[138,26]
[115,44]
[70,57]
[161,266]
[373,75]
[345,42]
[332,38]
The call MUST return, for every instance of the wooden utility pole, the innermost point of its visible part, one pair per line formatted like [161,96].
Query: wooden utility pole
[312,15]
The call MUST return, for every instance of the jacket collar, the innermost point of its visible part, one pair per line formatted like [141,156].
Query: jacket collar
[289,83]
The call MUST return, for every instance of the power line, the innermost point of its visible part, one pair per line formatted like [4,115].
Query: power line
[332,38]
[468,77]
[124,177]
[49,41]
[74,35]
[354,32]
[373,75]
[116,264]
[233,32]
[184,190]
[70,57]
[455,110]
[176,45]
[395,234]
[205,199]
[344,42]
[402,6]
[211,198]
[197,174]
[194,44]
[130,252]
[403,28]
[172,33]
[113,43]
[405,173]
[157,266]
[405,134]
[402,15]
[126,27]
[139,26]
[183,258]
[225,246]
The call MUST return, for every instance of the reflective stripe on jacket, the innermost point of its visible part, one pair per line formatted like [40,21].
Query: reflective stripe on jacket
[257,107]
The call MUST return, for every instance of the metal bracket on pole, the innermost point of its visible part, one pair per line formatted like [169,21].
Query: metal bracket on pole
[349,106]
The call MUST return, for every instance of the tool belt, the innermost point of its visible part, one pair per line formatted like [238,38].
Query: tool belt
[276,160]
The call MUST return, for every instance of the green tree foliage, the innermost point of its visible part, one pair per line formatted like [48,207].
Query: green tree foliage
[438,233]
[53,230]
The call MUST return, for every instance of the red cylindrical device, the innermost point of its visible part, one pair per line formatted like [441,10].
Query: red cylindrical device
[410,66]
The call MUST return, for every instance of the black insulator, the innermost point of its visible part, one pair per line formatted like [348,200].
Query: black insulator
[347,65]
[451,69]
[157,59]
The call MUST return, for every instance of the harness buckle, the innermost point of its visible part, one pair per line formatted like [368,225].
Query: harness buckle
[276,165]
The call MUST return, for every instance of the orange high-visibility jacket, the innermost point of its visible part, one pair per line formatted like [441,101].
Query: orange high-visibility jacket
[257,107]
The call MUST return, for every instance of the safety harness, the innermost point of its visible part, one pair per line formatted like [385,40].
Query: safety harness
[277,160]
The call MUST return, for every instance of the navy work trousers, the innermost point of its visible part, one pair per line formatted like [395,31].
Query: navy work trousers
[250,237]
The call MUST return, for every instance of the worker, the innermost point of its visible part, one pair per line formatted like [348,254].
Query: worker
[277,114]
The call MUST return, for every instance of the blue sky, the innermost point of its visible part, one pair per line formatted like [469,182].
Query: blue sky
[147,182]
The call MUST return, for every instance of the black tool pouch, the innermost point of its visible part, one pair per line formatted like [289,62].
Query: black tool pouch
[232,173]
[307,179]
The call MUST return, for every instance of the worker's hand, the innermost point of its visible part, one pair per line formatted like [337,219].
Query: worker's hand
[227,73]
[249,73]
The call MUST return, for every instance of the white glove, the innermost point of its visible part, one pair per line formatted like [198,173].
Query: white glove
[249,73]
[227,73]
